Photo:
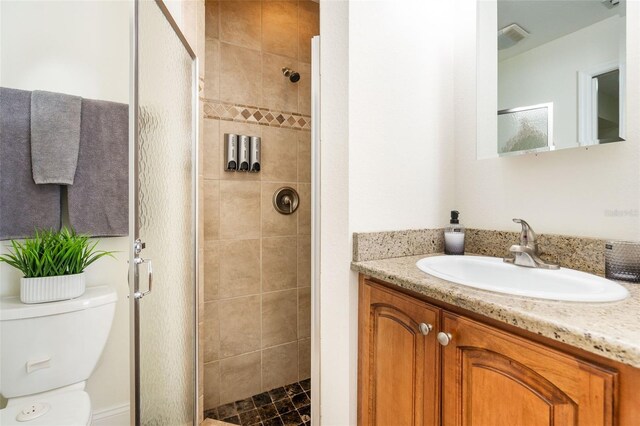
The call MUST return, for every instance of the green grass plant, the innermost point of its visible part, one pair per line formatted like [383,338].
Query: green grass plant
[50,253]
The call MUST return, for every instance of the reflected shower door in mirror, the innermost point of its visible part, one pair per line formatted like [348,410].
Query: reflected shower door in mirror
[560,69]
[525,129]
[601,105]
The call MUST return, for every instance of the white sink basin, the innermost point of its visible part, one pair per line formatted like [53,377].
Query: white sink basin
[492,274]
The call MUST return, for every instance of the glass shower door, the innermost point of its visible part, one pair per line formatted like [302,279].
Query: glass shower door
[163,272]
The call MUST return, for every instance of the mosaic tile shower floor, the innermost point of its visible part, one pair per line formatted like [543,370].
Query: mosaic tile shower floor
[289,405]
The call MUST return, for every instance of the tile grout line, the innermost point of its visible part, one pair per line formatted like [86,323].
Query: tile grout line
[261,275]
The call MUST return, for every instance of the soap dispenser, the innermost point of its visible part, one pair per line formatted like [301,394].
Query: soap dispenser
[454,235]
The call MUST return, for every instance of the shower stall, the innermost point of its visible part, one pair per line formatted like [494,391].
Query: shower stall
[256,327]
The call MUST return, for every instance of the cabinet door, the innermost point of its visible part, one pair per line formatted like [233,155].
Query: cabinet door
[493,378]
[398,365]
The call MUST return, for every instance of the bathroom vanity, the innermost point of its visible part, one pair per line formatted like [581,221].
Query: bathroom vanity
[433,352]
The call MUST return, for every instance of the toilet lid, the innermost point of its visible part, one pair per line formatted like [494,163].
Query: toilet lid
[71,408]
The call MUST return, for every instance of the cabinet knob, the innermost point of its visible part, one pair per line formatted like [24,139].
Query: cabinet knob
[444,338]
[425,328]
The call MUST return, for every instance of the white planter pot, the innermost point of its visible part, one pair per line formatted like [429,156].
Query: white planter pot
[50,289]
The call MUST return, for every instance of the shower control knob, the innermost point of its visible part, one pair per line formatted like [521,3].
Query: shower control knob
[444,338]
[286,200]
[425,328]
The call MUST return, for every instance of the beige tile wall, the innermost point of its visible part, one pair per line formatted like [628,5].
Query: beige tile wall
[256,324]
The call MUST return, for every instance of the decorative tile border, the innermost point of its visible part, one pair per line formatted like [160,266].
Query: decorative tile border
[255,115]
[581,253]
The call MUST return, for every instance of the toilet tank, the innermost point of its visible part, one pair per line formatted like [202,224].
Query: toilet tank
[49,345]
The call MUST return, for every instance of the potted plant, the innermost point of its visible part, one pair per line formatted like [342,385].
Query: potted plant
[53,264]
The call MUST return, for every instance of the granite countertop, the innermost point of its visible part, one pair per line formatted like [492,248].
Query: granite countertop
[611,329]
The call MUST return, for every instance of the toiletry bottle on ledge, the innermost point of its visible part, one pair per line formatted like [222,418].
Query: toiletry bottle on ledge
[454,235]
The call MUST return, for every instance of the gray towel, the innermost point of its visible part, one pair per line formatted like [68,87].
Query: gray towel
[99,198]
[24,206]
[55,136]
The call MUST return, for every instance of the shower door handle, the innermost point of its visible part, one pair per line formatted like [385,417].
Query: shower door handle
[138,246]
[137,261]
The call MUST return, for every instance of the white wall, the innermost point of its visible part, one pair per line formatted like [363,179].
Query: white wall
[591,192]
[548,73]
[75,47]
[338,292]
[400,123]
[387,154]
[81,48]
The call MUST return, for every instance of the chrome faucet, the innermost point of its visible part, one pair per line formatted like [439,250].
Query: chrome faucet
[526,253]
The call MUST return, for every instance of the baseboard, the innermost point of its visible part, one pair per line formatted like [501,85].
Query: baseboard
[117,415]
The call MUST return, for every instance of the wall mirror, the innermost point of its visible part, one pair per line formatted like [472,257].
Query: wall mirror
[554,73]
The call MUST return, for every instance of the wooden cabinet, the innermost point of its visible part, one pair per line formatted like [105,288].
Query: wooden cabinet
[484,376]
[398,365]
[491,377]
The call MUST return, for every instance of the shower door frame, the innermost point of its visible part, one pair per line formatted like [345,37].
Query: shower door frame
[315,230]
[133,276]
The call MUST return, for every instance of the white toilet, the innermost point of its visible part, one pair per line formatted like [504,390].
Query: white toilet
[47,352]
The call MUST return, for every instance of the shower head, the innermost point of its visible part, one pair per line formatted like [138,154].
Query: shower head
[294,76]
